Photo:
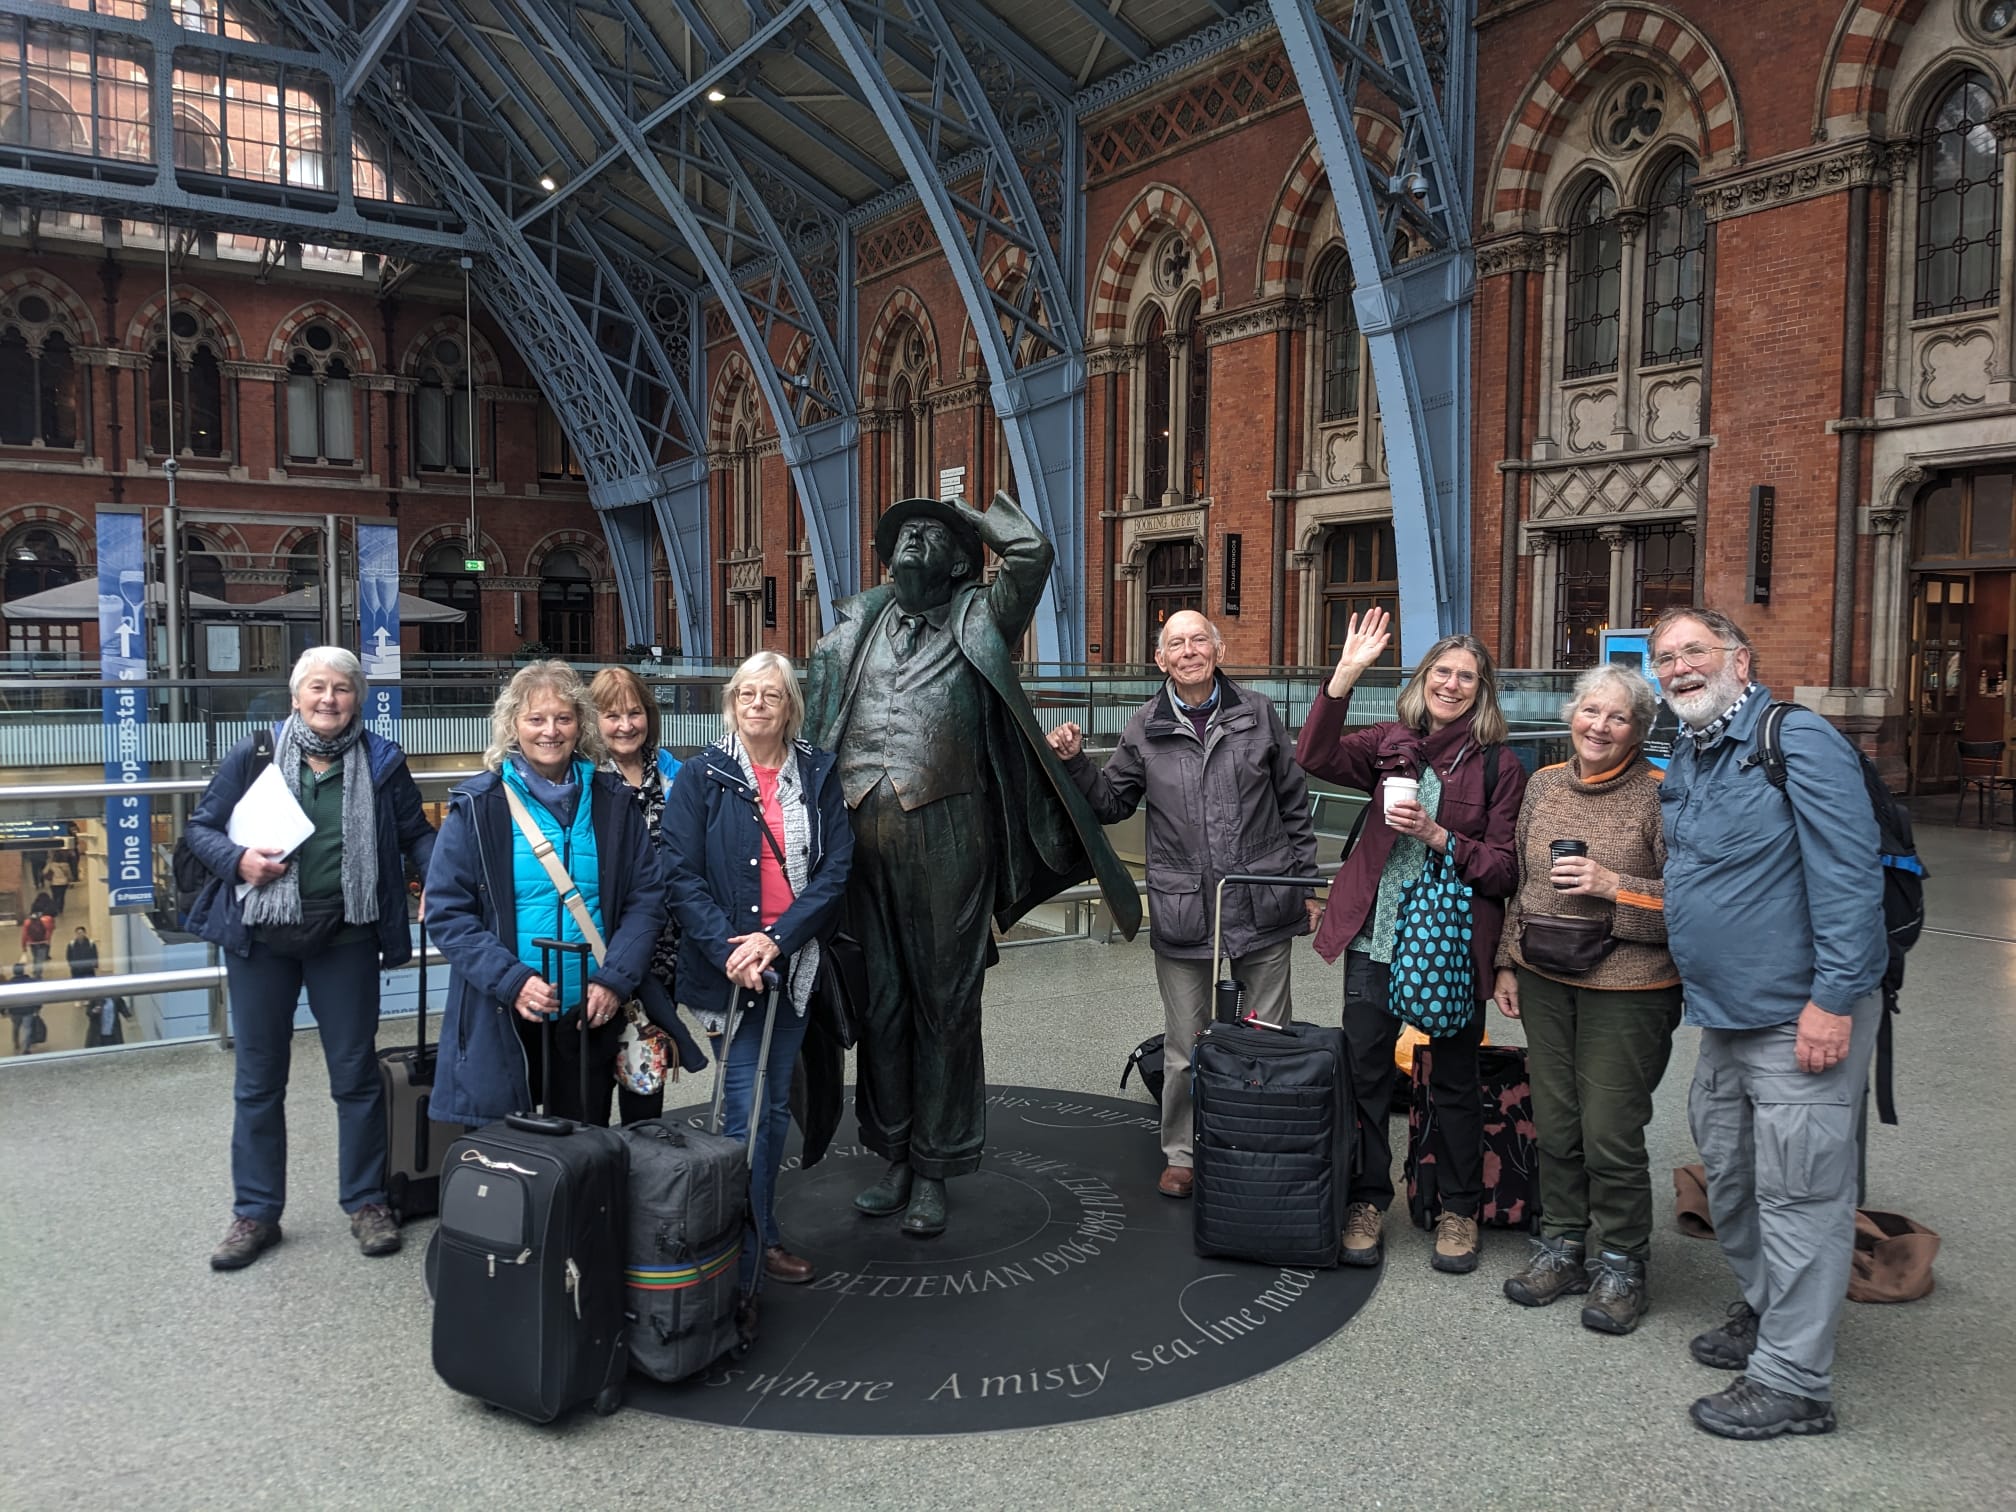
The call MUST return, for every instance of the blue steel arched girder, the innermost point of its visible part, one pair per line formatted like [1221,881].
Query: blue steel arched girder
[623,476]
[821,456]
[947,133]
[1415,313]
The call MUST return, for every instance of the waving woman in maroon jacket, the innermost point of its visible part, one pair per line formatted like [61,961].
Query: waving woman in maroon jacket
[1449,728]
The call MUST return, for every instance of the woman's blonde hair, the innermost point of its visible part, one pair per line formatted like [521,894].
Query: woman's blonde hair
[614,685]
[530,680]
[1637,694]
[756,666]
[1487,720]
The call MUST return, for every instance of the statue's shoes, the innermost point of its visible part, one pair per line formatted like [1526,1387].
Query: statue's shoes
[926,1215]
[890,1195]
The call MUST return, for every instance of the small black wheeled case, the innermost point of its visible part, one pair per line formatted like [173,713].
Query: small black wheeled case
[1275,1131]
[414,1143]
[528,1299]
[689,1221]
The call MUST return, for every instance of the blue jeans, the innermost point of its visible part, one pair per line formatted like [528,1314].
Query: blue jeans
[342,987]
[741,1072]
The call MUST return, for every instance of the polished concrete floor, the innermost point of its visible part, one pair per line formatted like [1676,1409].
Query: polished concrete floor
[136,1378]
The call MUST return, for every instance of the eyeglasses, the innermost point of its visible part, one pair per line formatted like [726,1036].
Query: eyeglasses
[1696,655]
[767,697]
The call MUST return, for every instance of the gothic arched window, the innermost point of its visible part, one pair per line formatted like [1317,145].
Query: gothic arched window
[1959,201]
[442,410]
[1155,410]
[1341,361]
[320,415]
[445,580]
[566,605]
[1595,283]
[38,378]
[1676,243]
[195,418]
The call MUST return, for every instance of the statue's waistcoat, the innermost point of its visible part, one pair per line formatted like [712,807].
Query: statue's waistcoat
[923,732]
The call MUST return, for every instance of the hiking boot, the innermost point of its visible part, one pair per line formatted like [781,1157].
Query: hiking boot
[1457,1243]
[1362,1242]
[375,1229]
[1749,1411]
[1728,1347]
[1617,1294]
[245,1241]
[1558,1268]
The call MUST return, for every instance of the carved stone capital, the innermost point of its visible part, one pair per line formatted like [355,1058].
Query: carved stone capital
[259,371]
[1115,357]
[1524,253]
[1253,320]
[1888,522]
[1553,247]
[2003,124]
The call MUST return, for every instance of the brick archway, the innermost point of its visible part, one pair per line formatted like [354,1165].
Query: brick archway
[140,330]
[1159,207]
[75,530]
[592,548]
[1006,264]
[427,540]
[366,358]
[1853,94]
[75,312]
[1616,33]
[875,363]
[728,383]
[1285,251]
[482,357]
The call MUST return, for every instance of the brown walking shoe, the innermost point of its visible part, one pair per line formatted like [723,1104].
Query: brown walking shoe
[1363,1242]
[375,1229]
[1457,1243]
[245,1241]
[1618,1299]
[1558,1268]
[1176,1181]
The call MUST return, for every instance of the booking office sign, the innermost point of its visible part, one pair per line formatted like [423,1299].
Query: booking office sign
[378,625]
[122,661]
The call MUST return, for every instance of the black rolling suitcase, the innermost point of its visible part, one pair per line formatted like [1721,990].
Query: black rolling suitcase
[1275,1130]
[414,1143]
[689,1219]
[528,1296]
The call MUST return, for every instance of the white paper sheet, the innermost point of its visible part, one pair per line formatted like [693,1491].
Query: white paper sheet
[268,818]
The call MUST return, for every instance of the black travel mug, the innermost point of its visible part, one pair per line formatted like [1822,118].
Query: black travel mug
[1559,848]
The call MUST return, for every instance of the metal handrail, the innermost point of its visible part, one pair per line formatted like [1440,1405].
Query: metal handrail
[22,792]
[139,984]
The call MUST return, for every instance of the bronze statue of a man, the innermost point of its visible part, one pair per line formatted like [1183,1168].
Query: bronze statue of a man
[962,817]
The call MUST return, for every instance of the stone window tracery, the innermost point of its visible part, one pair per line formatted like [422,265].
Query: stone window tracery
[1595,283]
[1676,242]
[1341,340]
[38,375]
[195,417]
[443,407]
[1959,201]
[321,414]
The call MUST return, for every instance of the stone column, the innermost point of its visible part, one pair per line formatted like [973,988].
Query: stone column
[1897,291]
[1553,245]
[1617,538]
[1630,233]
[1890,587]
[1126,578]
[1308,610]
[1541,547]
[1178,491]
[2005,366]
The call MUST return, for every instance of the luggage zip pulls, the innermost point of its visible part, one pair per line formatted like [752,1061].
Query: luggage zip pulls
[518,1259]
[573,1286]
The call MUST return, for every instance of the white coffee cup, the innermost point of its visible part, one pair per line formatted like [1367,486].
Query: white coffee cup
[1401,788]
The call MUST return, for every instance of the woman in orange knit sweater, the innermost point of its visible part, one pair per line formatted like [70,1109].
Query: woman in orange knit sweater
[1583,963]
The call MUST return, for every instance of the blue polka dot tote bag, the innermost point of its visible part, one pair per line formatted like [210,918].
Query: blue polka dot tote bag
[1433,980]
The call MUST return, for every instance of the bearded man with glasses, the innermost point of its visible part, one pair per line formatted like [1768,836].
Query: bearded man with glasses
[1774,916]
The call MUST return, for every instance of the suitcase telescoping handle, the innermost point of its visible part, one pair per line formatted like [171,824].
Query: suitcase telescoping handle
[420,1045]
[544,1121]
[775,982]
[1230,992]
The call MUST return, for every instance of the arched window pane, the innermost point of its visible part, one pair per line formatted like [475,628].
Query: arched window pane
[430,425]
[338,444]
[1340,341]
[1359,573]
[1155,412]
[304,434]
[1676,242]
[204,407]
[1959,198]
[58,392]
[17,390]
[1595,284]
[1196,412]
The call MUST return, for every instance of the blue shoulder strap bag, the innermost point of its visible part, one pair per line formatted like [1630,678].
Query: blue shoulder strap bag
[1433,981]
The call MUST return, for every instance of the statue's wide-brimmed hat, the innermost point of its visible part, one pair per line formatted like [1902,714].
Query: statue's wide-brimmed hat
[955,517]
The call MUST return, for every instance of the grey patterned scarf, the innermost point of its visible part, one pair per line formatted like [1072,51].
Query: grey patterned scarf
[279,901]
[796,840]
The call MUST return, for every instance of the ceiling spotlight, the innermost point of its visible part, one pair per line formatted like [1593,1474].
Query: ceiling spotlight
[547,183]
[715,96]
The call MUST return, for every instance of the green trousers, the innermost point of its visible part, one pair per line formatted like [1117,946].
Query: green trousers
[1595,1059]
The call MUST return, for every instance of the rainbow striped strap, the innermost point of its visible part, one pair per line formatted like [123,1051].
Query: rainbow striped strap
[679,1277]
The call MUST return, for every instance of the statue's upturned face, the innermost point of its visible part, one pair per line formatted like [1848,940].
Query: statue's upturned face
[924,563]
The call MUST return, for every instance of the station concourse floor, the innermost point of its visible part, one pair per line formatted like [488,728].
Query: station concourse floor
[138,1379]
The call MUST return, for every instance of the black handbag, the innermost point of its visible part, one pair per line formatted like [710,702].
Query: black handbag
[1565,944]
[840,993]
[321,919]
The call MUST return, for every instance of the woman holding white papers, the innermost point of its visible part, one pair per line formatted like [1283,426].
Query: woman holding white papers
[310,867]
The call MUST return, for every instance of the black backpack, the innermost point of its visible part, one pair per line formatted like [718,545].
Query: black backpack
[1903,882]
[186,868]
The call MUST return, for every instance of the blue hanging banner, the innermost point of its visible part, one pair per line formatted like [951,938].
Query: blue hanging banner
[1629,648]
[122,658]
[378,625]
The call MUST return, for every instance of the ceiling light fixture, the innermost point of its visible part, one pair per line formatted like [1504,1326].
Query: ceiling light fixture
[547,182]
[715,96]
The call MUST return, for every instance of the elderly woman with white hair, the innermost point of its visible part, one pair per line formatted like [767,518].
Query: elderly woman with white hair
[758,847]
[1583,963]
[490,896]
[326,916]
